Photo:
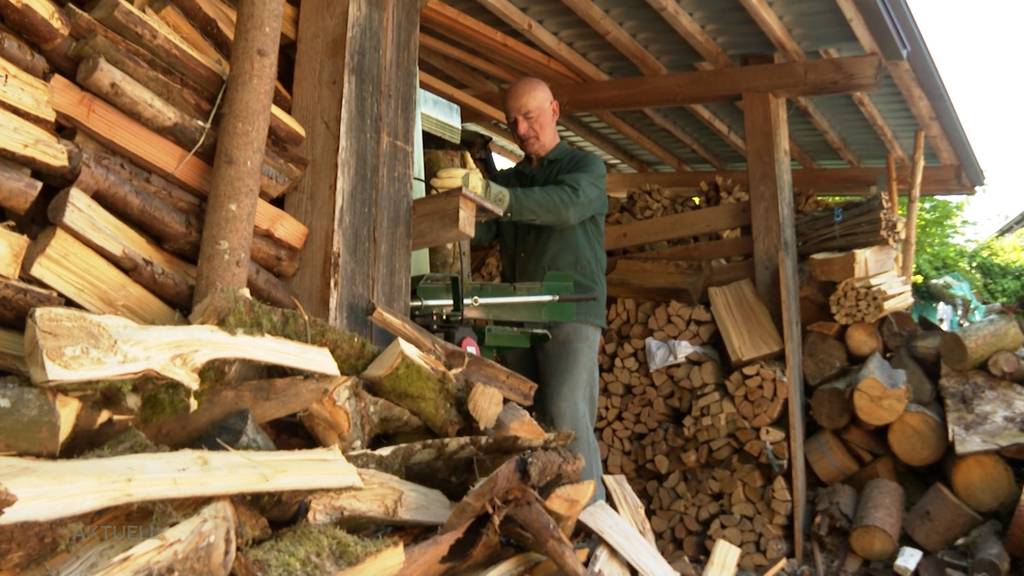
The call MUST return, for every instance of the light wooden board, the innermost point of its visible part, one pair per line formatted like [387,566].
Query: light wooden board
[629,543]
[743,319]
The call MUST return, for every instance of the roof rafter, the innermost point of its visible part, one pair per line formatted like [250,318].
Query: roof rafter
[779,35]
[907,83]
[468,58]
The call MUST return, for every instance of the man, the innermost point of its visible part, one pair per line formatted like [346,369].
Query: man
[554,206]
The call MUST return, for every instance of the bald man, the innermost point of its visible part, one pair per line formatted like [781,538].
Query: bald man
[554,206]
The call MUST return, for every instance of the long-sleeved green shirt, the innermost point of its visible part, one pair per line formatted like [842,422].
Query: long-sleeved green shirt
[555,222]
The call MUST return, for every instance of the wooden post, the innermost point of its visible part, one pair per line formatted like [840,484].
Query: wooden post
[775,260]
[361,188]
[894,184]
[231,210]
[910,242]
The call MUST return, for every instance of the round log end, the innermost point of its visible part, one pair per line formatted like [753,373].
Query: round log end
[918,437]
[984,482]
[872,543]
[877,404]
[954,351]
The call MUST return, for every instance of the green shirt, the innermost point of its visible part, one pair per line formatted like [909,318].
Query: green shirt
[555,222]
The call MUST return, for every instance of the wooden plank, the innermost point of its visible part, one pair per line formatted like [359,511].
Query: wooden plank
[676,226]
[723,560]
[625,539]
[744,322]
[709,250]
[440,219]
[126,136]
[775,262]
[829,76]
[629,505]
[44,494]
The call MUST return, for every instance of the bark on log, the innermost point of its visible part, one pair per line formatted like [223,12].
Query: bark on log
[18,189]
[829,458]
[351,418]
[823,358]
[13,48]
[35,422]
[17,298]
[921,387]
[26,95]
[546,537]
[227,233]
[1007,365]
[972,346]
[830,403]
[939,518]
[983,481]
[863,339]
[875,534]
[988,556]
[918,437]
[881,394]
[1015,533]
[42,23]
[897,330]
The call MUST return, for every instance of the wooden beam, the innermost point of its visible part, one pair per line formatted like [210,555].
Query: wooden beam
[829,76]
[907,83]
[672,128]
[691,31]
[775,264]
[938,180]
[577,127]
[472,79]
[479,63]
[632,133]
[910,242]
[675,226]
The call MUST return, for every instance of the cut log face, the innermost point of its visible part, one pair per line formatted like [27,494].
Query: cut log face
[565,503]
[1007,365]
[121,348]
[863,339]
[43,492]
[829,458]
[408,377]
[830,403]
[876,528]
[939,518]
[972,346]
[881,394]
[983,481]
[918,437]
[515,421]
[484,404]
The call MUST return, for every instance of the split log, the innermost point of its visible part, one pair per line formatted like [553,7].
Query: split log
[18,189]
[183,27]
[876,528]
[484,404]
[625,540]
[839,266]
[830,403]
[351,418]
[418,382]
[988,556]
[863,339]
[516,422]
[1014,534]
[42,23]
[383,499]
[881,394]
[939,518]
[922,390]
[35,422]
[724,559]
[606,562]
[12,352]
[448,551]
[131,97]
[12,252]
[565,503]
[867,440]
[545,536]
[25,95]
[983,412]
[829,458]
[468,368]
[164,275]
[746,326]
[202,544]
[23,142]
[1007,365]
[62,262]
[984,481]
[824,358]
[43,492]
[973,345]
[898,329]
[17,298]
[924,347]
[266,400]
[918,437]
[18,52]
[628,505]
[121,348]
[870,298]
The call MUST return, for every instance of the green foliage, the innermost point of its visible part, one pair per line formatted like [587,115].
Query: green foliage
[995,268]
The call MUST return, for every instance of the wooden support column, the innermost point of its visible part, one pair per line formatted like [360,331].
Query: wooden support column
[356,198]
[775,263]
[231,209]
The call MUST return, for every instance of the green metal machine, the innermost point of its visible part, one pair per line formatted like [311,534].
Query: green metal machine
[490,316]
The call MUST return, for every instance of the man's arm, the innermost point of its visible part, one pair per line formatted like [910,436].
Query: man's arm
[572,198]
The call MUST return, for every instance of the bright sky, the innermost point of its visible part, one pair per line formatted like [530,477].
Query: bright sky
[973,45]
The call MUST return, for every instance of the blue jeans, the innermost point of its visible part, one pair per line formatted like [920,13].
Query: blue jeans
[567,375]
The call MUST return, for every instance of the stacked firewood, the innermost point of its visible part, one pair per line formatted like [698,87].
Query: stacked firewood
[329,455]
[108,126]
[699,448]
[847,226]
[867,299]
[888,440]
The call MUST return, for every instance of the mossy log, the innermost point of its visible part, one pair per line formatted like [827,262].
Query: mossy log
[300,548]
[408,377]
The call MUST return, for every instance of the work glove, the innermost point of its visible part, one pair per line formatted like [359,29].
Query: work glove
[474,181]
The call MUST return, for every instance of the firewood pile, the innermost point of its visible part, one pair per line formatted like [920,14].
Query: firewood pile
[702,447]
[915,475]
[847,226]
[328,456]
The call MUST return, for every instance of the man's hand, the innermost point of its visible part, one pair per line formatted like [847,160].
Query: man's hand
[472,180]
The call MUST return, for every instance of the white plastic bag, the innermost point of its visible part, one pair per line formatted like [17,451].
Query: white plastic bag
[661,354]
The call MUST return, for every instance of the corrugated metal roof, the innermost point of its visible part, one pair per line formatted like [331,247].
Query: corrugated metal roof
[814,24]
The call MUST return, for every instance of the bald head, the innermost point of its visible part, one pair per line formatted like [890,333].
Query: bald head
[532,112]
